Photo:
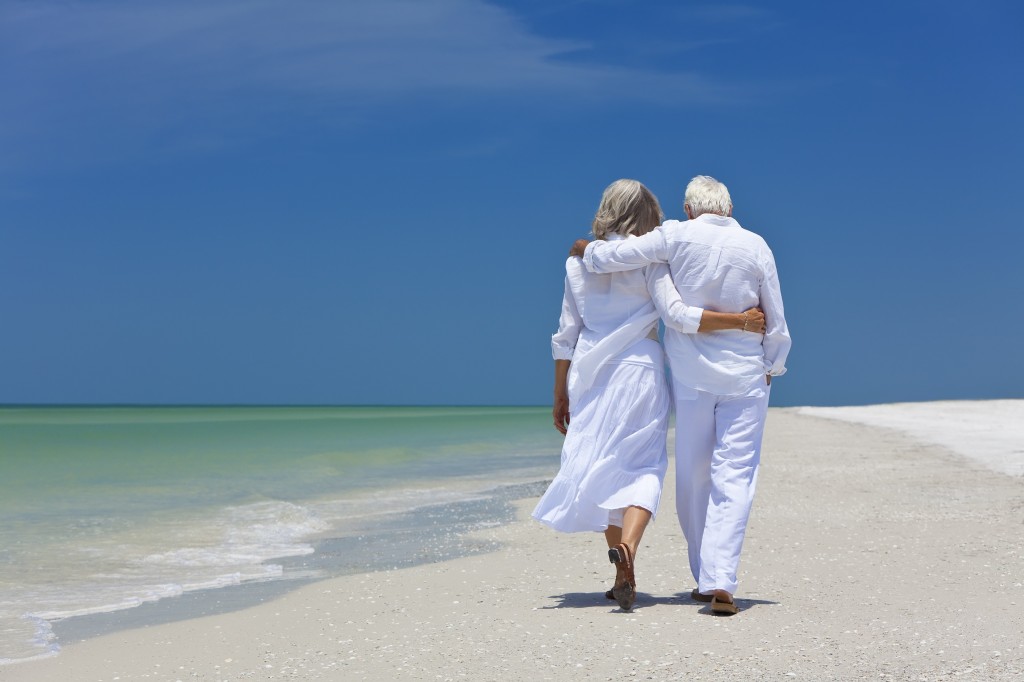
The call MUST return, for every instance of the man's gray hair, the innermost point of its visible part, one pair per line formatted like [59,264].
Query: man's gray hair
[704,194]
[627,207]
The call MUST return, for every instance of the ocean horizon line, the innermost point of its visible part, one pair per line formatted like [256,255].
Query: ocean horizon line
[34,405]
[272,405]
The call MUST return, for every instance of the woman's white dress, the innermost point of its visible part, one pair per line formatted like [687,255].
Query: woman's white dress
[614,453]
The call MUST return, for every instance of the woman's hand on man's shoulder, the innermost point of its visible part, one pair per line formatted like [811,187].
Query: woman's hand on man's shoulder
[578,248]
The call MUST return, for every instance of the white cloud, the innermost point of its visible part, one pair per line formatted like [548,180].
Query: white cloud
[84,75]
[386,45]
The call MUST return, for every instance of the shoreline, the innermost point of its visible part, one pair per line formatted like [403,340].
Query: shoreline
[869,555]
[113,511]
[398,538]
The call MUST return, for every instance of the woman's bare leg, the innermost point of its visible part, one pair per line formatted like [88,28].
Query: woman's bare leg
[613,535]
[634,523]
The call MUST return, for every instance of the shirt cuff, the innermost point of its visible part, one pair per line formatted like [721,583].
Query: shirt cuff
[775,371]
[691,319]
[561,352]
[588,257]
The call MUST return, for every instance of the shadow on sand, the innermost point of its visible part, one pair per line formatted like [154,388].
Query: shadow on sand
[587,600]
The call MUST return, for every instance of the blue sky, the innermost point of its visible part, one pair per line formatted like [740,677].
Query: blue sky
[369,202]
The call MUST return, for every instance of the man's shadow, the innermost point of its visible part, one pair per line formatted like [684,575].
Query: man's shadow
[589,600]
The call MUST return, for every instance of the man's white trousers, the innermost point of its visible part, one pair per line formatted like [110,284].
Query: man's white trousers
[718,450]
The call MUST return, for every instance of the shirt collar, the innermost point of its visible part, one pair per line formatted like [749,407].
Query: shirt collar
[715,219]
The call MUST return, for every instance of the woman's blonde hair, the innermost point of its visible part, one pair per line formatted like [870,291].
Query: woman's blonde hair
[627,207]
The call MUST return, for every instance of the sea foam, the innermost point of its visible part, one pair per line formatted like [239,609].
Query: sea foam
[220,549]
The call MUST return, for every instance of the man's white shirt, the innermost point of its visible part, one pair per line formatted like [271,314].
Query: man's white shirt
[716,265]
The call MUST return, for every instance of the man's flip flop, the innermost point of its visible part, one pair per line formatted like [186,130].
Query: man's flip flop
[703,598]
[728,608]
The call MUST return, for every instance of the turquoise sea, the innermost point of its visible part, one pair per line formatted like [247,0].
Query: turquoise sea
[105,509]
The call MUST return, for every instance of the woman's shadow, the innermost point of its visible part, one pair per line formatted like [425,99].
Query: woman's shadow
[589,600]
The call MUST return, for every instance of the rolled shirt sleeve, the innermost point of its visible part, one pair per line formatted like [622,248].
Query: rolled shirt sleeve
[670,305]
[570,324]
[777,341]
[626,254]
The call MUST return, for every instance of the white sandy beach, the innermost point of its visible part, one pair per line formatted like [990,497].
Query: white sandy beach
[989,431]
[872,554]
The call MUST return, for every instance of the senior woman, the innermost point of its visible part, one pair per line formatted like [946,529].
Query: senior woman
[610,377]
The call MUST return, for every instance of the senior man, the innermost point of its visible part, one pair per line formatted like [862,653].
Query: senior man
[721,379]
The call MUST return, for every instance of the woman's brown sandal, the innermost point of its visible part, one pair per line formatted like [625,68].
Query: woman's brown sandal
[624,594]
[618,582]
